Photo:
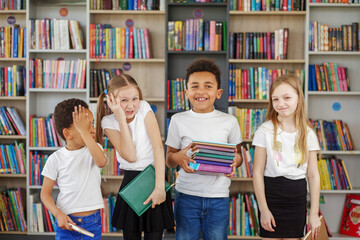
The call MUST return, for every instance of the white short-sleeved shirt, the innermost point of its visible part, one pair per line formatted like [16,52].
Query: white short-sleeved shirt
[215,126]
[283,161]
[78,178]
[144,151]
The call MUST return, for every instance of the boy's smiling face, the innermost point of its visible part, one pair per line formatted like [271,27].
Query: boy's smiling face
[202,90]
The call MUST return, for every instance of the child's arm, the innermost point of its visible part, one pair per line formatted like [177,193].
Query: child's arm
[237,161]
[83,125]
[48,201]
[152,128]
[176,157]
[122,141]
[267,220]
[314,185]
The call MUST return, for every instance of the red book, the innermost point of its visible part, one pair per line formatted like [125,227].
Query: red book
[131,43]
[147,43]
[268,45]
[350,223]
[286,40]
[47,219]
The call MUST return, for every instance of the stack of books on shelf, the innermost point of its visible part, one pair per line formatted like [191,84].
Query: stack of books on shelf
[197,1]
[322,37]
[113,166]
[255,82]
[333,135]
[259,45]
[12,81]
[328,77]
[127,4]
[106,214]
[197,35]
[42,132]
[12,158]
[12,4]
[246,169]
[176,99]
[10,122]
[213,157]
[117,43]
[249,119]
[40,218]
[13,42]
[55,34]
[99,79]
[276,5]
[36,163]
[68,74]
[243,219]
[12,217]
[334,1]
[333,174]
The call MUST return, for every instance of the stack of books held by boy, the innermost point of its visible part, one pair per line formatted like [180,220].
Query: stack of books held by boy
[213,157]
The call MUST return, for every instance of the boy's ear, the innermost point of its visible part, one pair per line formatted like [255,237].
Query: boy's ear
[66,133]
[219,93]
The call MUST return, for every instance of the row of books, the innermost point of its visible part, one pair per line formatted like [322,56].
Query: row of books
[249,119]
[333,135]
[12,81]
[12,158]
[12,4]
[10,122]
[110,43]
[59,34]
[325,38]
[197,1]
[334,1]
[40,218]
[99,79]
[267,5]
[328,77]
[12,214]
[68,74]
[255,82]
[107,212]
[333,174]
[127,4]
[197,35]
[246,168]
[176,99]
[42,132]
[13,42]
[243,217]
[113,166]
[37,162]
[259,45]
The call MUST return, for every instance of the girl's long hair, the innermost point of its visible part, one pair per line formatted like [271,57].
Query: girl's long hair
[114,84]
[301,122]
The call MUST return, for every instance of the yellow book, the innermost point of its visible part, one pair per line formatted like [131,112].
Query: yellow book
[326,173]
[21,43]
[322,175]
[106,43]
[238,80]
[117,42]
[14,80]
[323,135]
[122,42]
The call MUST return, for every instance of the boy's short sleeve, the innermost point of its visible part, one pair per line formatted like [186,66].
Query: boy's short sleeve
[260,137]
[235,134]
[173,137]
[51,168]
[109,122]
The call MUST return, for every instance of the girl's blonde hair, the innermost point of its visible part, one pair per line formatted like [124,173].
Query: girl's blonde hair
[301,122]
[114,84]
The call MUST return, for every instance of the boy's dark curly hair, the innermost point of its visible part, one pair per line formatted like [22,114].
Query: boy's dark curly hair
[63,114]
[204,65]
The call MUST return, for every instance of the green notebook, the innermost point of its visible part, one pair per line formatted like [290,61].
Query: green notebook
[139,189]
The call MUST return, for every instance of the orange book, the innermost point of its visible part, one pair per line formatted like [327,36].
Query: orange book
[318,78]
[346,173]
[341,135]
[122,45]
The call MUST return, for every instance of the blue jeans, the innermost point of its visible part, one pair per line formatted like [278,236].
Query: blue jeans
[198,214]
[91,223]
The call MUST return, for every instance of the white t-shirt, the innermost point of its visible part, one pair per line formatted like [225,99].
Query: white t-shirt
[78,178]
[283,161]
[215,126]
[144,151]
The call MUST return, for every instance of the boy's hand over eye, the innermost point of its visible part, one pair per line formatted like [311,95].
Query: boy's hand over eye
[183,160]
[81,120]
[114,104]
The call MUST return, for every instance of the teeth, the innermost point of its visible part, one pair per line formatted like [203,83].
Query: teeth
[201,99]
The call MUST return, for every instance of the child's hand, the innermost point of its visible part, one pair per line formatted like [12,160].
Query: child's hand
[114,104]
[267,221]
[63,221]
[81,120]
[157,197]
[183,160]
[315,223]
[234,164]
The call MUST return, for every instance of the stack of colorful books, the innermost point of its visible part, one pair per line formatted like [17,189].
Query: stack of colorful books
[213,157]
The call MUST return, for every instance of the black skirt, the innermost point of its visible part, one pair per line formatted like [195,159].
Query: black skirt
[286,200]
[154,219]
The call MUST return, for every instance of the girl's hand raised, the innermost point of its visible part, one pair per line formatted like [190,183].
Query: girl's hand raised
[157,197]
[114,104]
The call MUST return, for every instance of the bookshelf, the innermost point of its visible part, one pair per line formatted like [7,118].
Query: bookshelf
[321,104]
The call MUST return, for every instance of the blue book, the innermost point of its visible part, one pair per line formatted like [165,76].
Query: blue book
[13,156]
[6,167]
[131,4]
[127,37]
[143,49]
[135,36]
[16,40]
[113,43]
[252,87]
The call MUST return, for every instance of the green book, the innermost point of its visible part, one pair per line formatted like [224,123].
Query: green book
[139,189]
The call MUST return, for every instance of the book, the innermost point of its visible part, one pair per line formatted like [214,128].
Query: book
[139,189]
[81,230]
[210,168]
[323,235]
[350,223]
